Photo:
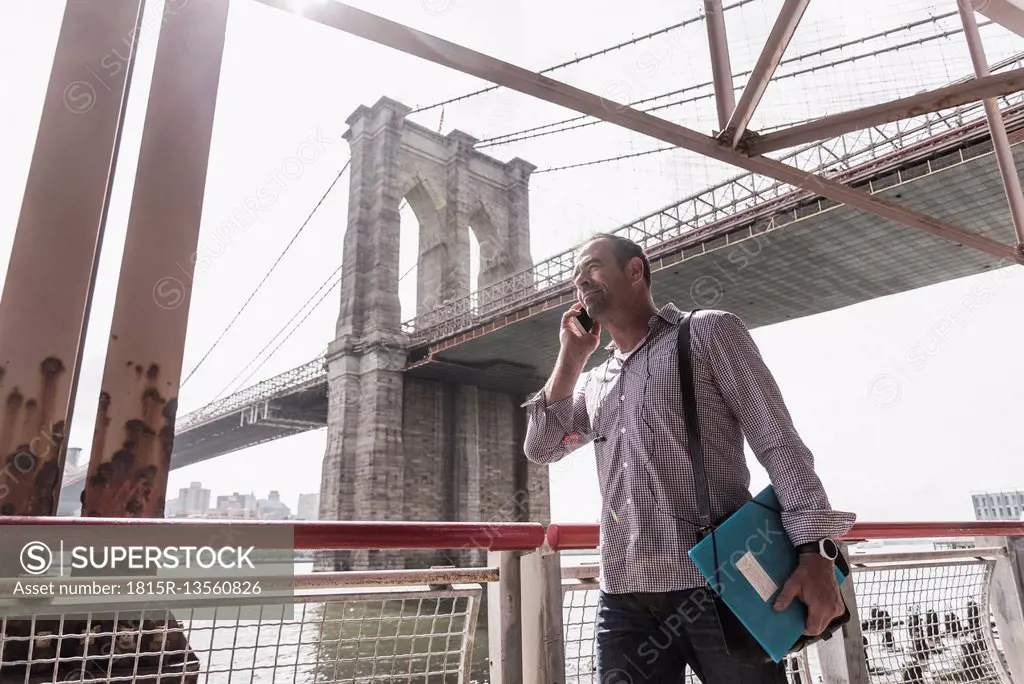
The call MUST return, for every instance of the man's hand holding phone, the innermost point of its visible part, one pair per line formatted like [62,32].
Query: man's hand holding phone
[577,345]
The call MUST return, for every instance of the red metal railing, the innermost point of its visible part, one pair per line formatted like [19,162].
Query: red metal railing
[341,535]
[338,535]
[567,536]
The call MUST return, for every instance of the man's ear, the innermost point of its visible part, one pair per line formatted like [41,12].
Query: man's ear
[636,269]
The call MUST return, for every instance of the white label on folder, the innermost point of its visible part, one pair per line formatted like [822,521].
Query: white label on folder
[762,582]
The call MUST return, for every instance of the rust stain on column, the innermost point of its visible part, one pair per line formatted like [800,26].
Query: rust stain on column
[134,480]
[31,437]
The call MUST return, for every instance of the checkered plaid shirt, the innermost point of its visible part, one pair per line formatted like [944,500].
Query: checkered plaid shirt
[632,406]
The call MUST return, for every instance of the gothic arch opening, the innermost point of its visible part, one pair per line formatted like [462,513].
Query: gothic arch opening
[474,269]
[485,255]
[408,258]
[420,233]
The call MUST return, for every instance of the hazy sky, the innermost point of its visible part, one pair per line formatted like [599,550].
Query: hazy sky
[908,402]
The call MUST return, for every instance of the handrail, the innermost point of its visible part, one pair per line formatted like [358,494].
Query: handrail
[568,536]
[329,535]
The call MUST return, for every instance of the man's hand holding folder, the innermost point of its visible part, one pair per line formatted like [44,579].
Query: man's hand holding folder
[814,583]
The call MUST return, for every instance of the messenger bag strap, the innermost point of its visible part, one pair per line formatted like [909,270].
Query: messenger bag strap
[686,383]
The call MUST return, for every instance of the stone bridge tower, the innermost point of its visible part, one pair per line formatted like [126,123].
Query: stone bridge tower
[407,448]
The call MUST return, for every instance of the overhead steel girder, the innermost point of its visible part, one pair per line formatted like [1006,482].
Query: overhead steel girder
[778,40]
[721,67]
[887,112]
[419,44]
[1000,141]
[1007,13]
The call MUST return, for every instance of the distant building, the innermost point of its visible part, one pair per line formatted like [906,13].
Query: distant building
[309,507]
[1006,505]
[273,508]
[235,506]
[192,502]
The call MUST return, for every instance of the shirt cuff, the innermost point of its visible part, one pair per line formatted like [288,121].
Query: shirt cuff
[810,526]
[538,397]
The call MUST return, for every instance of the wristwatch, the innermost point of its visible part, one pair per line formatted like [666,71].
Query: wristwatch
[824,547]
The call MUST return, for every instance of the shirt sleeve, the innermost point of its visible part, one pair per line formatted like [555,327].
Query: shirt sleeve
[750,390]
[559,429]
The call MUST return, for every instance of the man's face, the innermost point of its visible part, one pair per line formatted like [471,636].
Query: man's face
[601,284]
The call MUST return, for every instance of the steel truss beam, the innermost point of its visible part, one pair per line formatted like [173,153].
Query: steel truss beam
[419,44]
[1007,13]
[778,40]
[721,68]
[1000,142]
[887,112]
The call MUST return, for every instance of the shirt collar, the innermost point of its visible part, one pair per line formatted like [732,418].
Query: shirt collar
[666,315]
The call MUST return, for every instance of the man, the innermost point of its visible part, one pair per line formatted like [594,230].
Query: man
[654,614]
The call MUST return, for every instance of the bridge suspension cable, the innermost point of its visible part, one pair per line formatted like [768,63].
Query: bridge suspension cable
[581,120]
[267,274]
[332,280]
[583,58]
[996,66]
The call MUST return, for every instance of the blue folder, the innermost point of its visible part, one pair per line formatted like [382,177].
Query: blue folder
[755,558]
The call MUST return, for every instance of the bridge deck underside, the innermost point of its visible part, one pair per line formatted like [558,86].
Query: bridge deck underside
[821,262]
[225,436]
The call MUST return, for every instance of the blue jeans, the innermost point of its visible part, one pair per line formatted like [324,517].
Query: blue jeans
[652,638]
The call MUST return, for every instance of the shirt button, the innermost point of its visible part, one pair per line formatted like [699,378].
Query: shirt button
[629,501]
[622,397]
[623,430]
[625,464]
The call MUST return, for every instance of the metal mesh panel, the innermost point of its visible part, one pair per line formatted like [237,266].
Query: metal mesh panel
[579,611]
[423,637]
[929,622]
[921,623]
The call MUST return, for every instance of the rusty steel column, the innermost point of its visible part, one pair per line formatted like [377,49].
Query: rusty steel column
[134,433]
[1000,143]
[53,259]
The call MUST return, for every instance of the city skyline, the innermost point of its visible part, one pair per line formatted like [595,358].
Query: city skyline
[212,495]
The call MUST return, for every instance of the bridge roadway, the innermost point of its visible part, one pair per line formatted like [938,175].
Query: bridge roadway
[788,256]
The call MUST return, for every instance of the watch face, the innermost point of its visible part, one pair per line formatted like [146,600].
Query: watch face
[830,548]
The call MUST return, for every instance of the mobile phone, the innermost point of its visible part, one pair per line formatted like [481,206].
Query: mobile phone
[583,322]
